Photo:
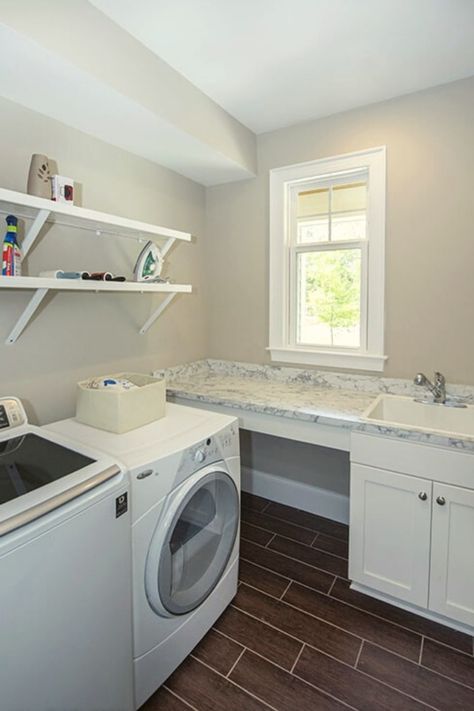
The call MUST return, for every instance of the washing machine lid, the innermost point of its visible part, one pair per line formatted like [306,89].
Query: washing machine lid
[41,471]
[30,461]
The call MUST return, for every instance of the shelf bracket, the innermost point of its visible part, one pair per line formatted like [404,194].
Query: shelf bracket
[34,230]
[157,313]
[27,315]
[167,246]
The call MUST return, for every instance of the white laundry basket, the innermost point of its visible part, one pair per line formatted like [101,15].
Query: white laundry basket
[122,410]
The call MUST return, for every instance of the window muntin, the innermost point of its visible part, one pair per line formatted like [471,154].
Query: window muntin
[337,212]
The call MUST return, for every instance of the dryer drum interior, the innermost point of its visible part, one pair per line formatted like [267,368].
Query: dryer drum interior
[198,543]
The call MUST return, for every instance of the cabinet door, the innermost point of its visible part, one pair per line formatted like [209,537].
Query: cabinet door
[452,553]
[390,533]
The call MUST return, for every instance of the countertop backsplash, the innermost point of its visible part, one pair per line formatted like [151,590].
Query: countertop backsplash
[372,384]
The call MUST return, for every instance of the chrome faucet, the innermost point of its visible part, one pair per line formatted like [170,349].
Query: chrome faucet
[438,388]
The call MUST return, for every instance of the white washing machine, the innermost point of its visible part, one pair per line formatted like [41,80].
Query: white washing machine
[65,565]
[185,491]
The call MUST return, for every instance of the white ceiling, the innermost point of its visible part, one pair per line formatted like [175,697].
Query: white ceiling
[273,63]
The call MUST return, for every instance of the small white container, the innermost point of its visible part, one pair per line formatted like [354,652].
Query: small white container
[121,411]
[62,189]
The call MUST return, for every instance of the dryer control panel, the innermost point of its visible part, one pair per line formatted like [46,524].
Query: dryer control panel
[222,445]
[12,413]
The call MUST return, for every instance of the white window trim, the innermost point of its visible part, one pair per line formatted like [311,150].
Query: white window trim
[370,355]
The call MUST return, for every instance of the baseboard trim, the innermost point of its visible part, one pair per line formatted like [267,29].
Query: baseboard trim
[297,494]
[423,612]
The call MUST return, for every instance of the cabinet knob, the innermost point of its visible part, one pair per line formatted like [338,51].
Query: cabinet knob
[423,495]
[440,500]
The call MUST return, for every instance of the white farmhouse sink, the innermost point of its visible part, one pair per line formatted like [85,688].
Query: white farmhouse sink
[399,411]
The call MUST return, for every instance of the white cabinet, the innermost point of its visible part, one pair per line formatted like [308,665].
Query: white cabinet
[390,533]
[412,530]
[452,553]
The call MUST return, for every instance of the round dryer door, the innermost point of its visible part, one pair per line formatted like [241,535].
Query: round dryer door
[193,543]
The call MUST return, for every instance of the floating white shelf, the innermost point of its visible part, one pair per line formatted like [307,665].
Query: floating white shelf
[40,211]
[43,286]
[90,285]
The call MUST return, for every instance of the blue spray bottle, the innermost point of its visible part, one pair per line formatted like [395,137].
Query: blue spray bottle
[11,253]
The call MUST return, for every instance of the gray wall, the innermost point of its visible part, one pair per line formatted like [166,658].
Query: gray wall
[430,217]
[430,289]
[297,461]
[77,335]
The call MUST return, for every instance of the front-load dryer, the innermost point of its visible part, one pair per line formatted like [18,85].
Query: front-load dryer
[185,489]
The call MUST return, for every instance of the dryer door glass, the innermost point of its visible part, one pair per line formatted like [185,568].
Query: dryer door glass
[199,543]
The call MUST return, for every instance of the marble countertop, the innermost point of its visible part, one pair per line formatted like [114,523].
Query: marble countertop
[337,399]
[296,400]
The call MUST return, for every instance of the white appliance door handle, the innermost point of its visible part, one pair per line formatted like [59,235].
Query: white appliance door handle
[13,522]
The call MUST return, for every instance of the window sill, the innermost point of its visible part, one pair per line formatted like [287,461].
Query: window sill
[329,359]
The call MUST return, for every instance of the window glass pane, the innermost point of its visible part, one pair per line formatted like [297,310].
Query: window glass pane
[316,230]
[312,213]
[348,226]
[348,211]
[313,202]
[328,298]
[349,198]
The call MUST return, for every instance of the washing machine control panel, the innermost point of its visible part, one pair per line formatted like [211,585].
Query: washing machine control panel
[12,413]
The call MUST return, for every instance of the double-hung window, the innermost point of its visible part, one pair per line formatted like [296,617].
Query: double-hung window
[327,226]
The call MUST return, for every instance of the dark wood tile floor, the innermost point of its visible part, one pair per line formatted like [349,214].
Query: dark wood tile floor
[297,638]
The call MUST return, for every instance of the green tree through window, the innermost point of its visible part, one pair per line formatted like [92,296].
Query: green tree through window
[332,288]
